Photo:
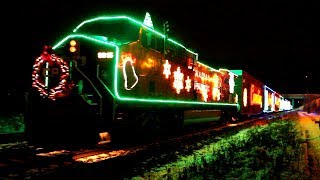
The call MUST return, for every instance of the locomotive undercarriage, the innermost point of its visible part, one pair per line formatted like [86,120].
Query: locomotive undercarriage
[144,124]
[75,120]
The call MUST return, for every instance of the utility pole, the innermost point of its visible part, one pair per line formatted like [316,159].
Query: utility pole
[307,95]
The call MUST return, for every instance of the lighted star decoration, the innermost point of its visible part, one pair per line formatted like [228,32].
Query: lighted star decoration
[188,84]
[127,58]
[204,92]
[178,80]
[147,21]
[166,70]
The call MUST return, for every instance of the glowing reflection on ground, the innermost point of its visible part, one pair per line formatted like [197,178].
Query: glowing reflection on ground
[101,156]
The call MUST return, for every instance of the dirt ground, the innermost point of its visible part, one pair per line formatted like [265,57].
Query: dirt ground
[310,130]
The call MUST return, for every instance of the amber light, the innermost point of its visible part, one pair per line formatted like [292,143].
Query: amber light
[72,49]
[73,44]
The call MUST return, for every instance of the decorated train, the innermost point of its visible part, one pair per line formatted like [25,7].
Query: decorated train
[115,76]
[255,97]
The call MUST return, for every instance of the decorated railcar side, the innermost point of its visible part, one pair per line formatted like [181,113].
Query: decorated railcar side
[269,100]
[255,97]
[127,73]
[250,92]
[274,102]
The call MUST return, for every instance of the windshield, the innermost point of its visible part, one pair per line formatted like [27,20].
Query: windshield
[119,31]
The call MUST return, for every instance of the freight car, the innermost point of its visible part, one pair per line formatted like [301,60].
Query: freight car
[256,98]
[116,76]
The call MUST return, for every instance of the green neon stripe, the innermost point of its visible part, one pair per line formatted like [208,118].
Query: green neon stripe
[92,39]
[97,19]
[175,42]
[175,101]
[132,20]
[117,95]
[157,100]
[209,67]
[115,18]
[222,69]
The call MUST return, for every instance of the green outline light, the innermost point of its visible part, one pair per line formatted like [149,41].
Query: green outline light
[92,39]
[212,69]
[176,101]
[117,95]
[133,20]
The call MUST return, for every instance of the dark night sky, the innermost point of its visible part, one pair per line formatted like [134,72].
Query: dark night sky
[276,41]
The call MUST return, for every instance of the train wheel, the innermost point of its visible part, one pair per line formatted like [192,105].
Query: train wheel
[179,120]
[172,122]
[146,124]
[228,117]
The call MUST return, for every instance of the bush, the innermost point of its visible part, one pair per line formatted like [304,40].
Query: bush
[261,152]
[11,123]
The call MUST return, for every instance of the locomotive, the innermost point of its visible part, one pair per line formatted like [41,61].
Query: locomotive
[115,76]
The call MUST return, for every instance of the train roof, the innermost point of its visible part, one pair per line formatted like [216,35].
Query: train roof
[240,72]
[237,72]
[147,24]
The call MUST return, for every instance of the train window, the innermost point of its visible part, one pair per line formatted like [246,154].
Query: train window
[177,54]
[152,41]
[148,39]
[174,52]
[160,43]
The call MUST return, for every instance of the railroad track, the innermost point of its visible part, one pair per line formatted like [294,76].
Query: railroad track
[23,160]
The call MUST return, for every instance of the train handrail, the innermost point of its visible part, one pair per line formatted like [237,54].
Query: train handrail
[94,87]
[104,85]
